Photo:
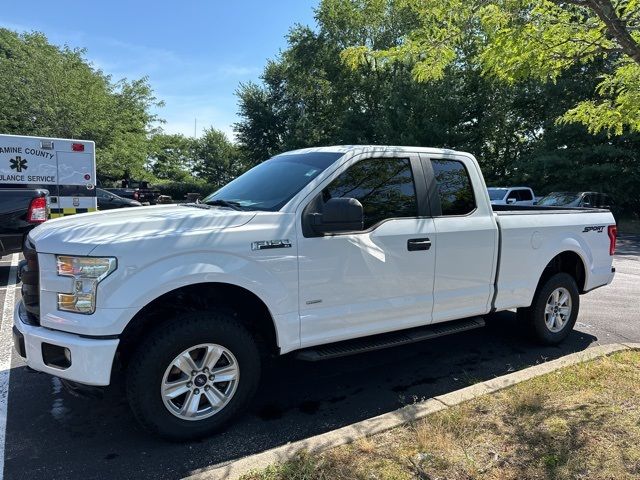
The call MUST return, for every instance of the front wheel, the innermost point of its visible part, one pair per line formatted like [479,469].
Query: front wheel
[193,375]
[554,309]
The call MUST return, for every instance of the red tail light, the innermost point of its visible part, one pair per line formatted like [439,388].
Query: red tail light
[77,147]
[37,212]
[136,195]
[613,235]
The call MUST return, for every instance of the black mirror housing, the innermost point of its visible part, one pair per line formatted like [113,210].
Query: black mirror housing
[339,215]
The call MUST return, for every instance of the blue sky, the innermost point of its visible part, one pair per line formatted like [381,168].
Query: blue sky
[194,52]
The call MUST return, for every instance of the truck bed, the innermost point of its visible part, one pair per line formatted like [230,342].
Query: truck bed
[531,235]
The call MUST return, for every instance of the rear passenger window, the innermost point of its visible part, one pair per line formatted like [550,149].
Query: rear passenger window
[525,195]
[454,187]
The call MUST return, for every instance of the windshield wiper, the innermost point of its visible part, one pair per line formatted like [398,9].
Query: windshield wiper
[224,203]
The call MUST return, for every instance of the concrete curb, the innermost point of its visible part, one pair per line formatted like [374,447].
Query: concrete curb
[350,433]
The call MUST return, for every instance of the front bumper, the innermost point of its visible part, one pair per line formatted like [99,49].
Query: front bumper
[90,361]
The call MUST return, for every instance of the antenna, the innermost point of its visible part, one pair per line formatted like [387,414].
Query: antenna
[195,127]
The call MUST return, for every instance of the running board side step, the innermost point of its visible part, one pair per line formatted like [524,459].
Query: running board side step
[386,340]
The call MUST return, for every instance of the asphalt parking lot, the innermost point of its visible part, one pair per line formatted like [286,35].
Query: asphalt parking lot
[51,434]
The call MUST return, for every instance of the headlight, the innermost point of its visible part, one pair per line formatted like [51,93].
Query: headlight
[87,273]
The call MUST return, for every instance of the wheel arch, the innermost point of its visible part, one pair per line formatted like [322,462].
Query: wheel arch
[570,262]
[250,310]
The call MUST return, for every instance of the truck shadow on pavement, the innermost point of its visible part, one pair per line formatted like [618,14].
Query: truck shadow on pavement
[4,275]
[55,435]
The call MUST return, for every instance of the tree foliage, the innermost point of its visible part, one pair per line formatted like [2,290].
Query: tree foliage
[492,78]
[47,90]
[218,160]
[207,162]
[310,96]
[171,157]
[525,39]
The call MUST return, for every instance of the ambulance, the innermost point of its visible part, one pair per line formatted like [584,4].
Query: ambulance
[66,168]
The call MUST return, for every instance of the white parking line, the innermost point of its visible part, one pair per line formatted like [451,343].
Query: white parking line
[15,287]
[6,349]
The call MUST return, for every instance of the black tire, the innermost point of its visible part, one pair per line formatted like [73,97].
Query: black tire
[535,317]
[153,356]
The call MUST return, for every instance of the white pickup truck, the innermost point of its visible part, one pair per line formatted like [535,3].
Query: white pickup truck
[324,251]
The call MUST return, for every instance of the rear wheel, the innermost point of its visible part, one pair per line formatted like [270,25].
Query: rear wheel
[193,375]
[554,310]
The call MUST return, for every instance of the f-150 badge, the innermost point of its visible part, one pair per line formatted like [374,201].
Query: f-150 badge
[269,244]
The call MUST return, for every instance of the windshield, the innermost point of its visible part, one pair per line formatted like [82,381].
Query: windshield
[271,184]
[496,193]
[559,199]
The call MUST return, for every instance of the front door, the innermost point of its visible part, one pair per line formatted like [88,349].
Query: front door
[380,278]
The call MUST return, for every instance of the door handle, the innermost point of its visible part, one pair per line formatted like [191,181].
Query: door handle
[418,244]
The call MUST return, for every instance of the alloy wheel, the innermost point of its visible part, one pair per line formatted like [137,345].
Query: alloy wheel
[558,309]
[200,381]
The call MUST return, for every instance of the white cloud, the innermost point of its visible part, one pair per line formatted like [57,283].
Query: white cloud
[238,70]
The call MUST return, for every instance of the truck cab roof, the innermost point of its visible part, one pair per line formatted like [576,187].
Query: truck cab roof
[377,148]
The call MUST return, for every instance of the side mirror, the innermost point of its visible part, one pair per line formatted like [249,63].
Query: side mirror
[511,201]
[586,205]
[339,215]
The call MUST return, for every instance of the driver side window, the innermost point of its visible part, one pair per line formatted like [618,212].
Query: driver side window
[384,187]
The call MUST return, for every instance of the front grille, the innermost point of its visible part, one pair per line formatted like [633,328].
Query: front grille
[31,283]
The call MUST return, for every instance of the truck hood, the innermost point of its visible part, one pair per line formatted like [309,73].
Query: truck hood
[80,234]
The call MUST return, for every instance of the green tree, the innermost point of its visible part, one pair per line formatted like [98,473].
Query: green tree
[309,96]
[172,157]
[46,90]
[567,157]
[520,39]
[261,131]
[218,160]
[129,125]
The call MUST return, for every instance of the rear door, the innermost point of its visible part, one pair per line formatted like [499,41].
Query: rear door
[377,279]
[467,239]
[76,178]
